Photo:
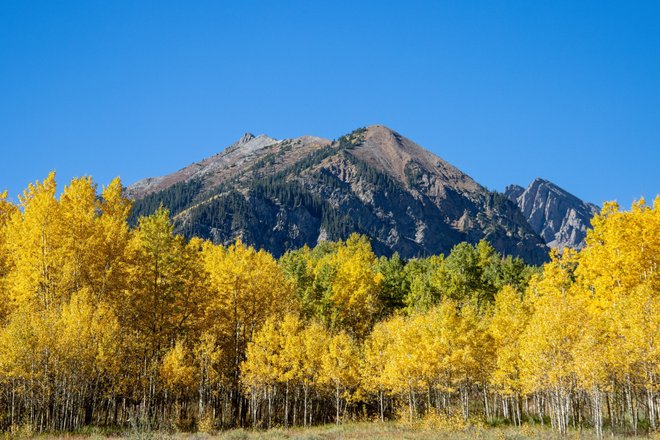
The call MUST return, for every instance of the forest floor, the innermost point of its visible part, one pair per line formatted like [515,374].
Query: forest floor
[356,431]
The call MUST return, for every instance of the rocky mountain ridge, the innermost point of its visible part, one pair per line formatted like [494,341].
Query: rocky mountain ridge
[280,195]
[559,217]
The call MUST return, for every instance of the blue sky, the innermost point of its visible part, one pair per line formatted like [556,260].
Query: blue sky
[505,90]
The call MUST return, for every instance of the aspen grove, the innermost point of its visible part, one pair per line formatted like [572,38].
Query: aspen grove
[106,324]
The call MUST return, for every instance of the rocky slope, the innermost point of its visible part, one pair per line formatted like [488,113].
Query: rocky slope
[280,195]
[559,217]
[219,167]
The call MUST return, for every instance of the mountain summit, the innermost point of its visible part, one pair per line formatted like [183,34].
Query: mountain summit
[213,166]
[559,217]
[280,195]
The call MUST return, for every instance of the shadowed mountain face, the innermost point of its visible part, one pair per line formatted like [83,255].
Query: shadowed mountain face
[281,195]
[559,217]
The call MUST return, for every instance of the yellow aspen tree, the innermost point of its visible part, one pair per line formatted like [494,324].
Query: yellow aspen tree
[621,252]
[26,348]
[7,210]
[114,236]
[619,263]
[86,350]
[507,325]
[291,356]
[261,369]
[166,293]
[639,318]
[105,332]
[445,322]
[473,354]
[314,342]
[339,370]
[432,351]
[55,261]
[208,357]
[80,242]
[598,356]
[178,371]
[374,361]
[509,321]
[405,369]
[247,287]
[164,301]
[34,239]
[547,345]
[355,286]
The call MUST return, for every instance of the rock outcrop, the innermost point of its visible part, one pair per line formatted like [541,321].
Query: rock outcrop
[560,218]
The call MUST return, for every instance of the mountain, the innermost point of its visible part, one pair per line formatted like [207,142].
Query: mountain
[281,195]
[559,217]
[212,170]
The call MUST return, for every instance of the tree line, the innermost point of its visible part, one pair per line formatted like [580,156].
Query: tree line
[110,325]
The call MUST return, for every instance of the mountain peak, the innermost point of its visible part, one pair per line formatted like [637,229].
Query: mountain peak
[512,192]
[540,181]
[385,134]
[247,137]
[381,128]
[559,217]
[398,156]
[250,139]
[247,146]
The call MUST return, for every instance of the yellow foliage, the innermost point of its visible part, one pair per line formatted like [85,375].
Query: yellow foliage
[355,285]
[94,311]
[339,364]
[509,321]
[177,370]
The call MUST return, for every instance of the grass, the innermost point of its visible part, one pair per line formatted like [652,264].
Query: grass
[354,431]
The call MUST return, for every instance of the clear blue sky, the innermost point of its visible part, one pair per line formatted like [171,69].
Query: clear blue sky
[505,90]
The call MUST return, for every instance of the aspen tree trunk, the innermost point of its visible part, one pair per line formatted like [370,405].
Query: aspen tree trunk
[514,410]
[13,400]
[337,403]
[486,409]
[428,399]
[527,409]
[636,407]
[286,406]
[200,409]
[610,412]
[254,408]
[270,404]
[462,392]
[631,411]
[295,405]
[414,401]
[467,401]
[304,404]
[553,411]
[563,410]
[410,401]
[597,416]
[650,396]
[380,401]
[574,406]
